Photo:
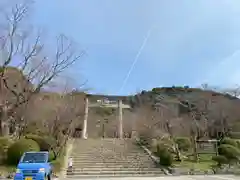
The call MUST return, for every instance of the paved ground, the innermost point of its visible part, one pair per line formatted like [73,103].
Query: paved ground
[212,177]
[209,177]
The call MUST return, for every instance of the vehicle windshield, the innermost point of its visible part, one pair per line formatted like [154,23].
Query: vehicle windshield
[34,158]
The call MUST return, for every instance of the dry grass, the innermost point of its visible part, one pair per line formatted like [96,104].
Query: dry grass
[4,169]
[205,163]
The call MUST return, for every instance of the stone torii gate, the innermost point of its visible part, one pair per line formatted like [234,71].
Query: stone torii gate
[120,107]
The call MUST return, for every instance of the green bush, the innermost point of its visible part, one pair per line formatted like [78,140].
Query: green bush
[16,150]
[43,142]
[220,160]
[183,143]
[51,156]
[166,158]
[5,142]
[230,142]
[230,152]
[238,144]
[57,163]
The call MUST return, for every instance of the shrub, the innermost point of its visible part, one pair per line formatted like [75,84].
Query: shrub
[51,156]
[43,142]
[183,143]
[166,158]
[238,144]
[229,141]
[57,163]
[4,144]
[230,152]
[17,149]
[220,160]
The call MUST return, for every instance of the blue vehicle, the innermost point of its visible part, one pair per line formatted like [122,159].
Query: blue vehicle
[34,166]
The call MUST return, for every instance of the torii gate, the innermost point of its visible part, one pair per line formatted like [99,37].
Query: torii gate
[119,105]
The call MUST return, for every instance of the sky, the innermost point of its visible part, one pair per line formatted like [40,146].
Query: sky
[191,42]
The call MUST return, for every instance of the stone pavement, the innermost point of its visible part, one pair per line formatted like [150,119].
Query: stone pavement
[207,177]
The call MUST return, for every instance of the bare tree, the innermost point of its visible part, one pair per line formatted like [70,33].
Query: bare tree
[67,116]
[164,100]
[36,67]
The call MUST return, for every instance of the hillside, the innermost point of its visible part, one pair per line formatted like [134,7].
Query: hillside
[148,107]
[15,84]
[176,104]
[213,110]
[180,93]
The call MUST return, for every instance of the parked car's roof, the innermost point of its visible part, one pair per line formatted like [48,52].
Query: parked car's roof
[36,152]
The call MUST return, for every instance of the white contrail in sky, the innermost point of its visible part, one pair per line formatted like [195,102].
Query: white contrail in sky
[136,58]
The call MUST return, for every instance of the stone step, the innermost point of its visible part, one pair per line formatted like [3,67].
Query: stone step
[110,163]
[98,167]
[97,173]
[115,169]
[112,176]
[107,153]
[97,153]
[123,163]
[110,143]
[114,165]
[77,154]
[91,142]
[77,151]
[95,150]
[112,160]
[109,157]
[103,145]
[102,150]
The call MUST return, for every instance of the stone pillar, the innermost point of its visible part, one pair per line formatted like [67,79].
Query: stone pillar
[5,128]
[120,121]
[134,126]
[84,130]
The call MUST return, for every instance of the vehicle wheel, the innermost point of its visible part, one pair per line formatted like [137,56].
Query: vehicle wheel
[49,177]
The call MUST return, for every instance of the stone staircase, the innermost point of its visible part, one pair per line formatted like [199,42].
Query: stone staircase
[110,158]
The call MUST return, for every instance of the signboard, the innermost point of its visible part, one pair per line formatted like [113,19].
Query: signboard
[206,148]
